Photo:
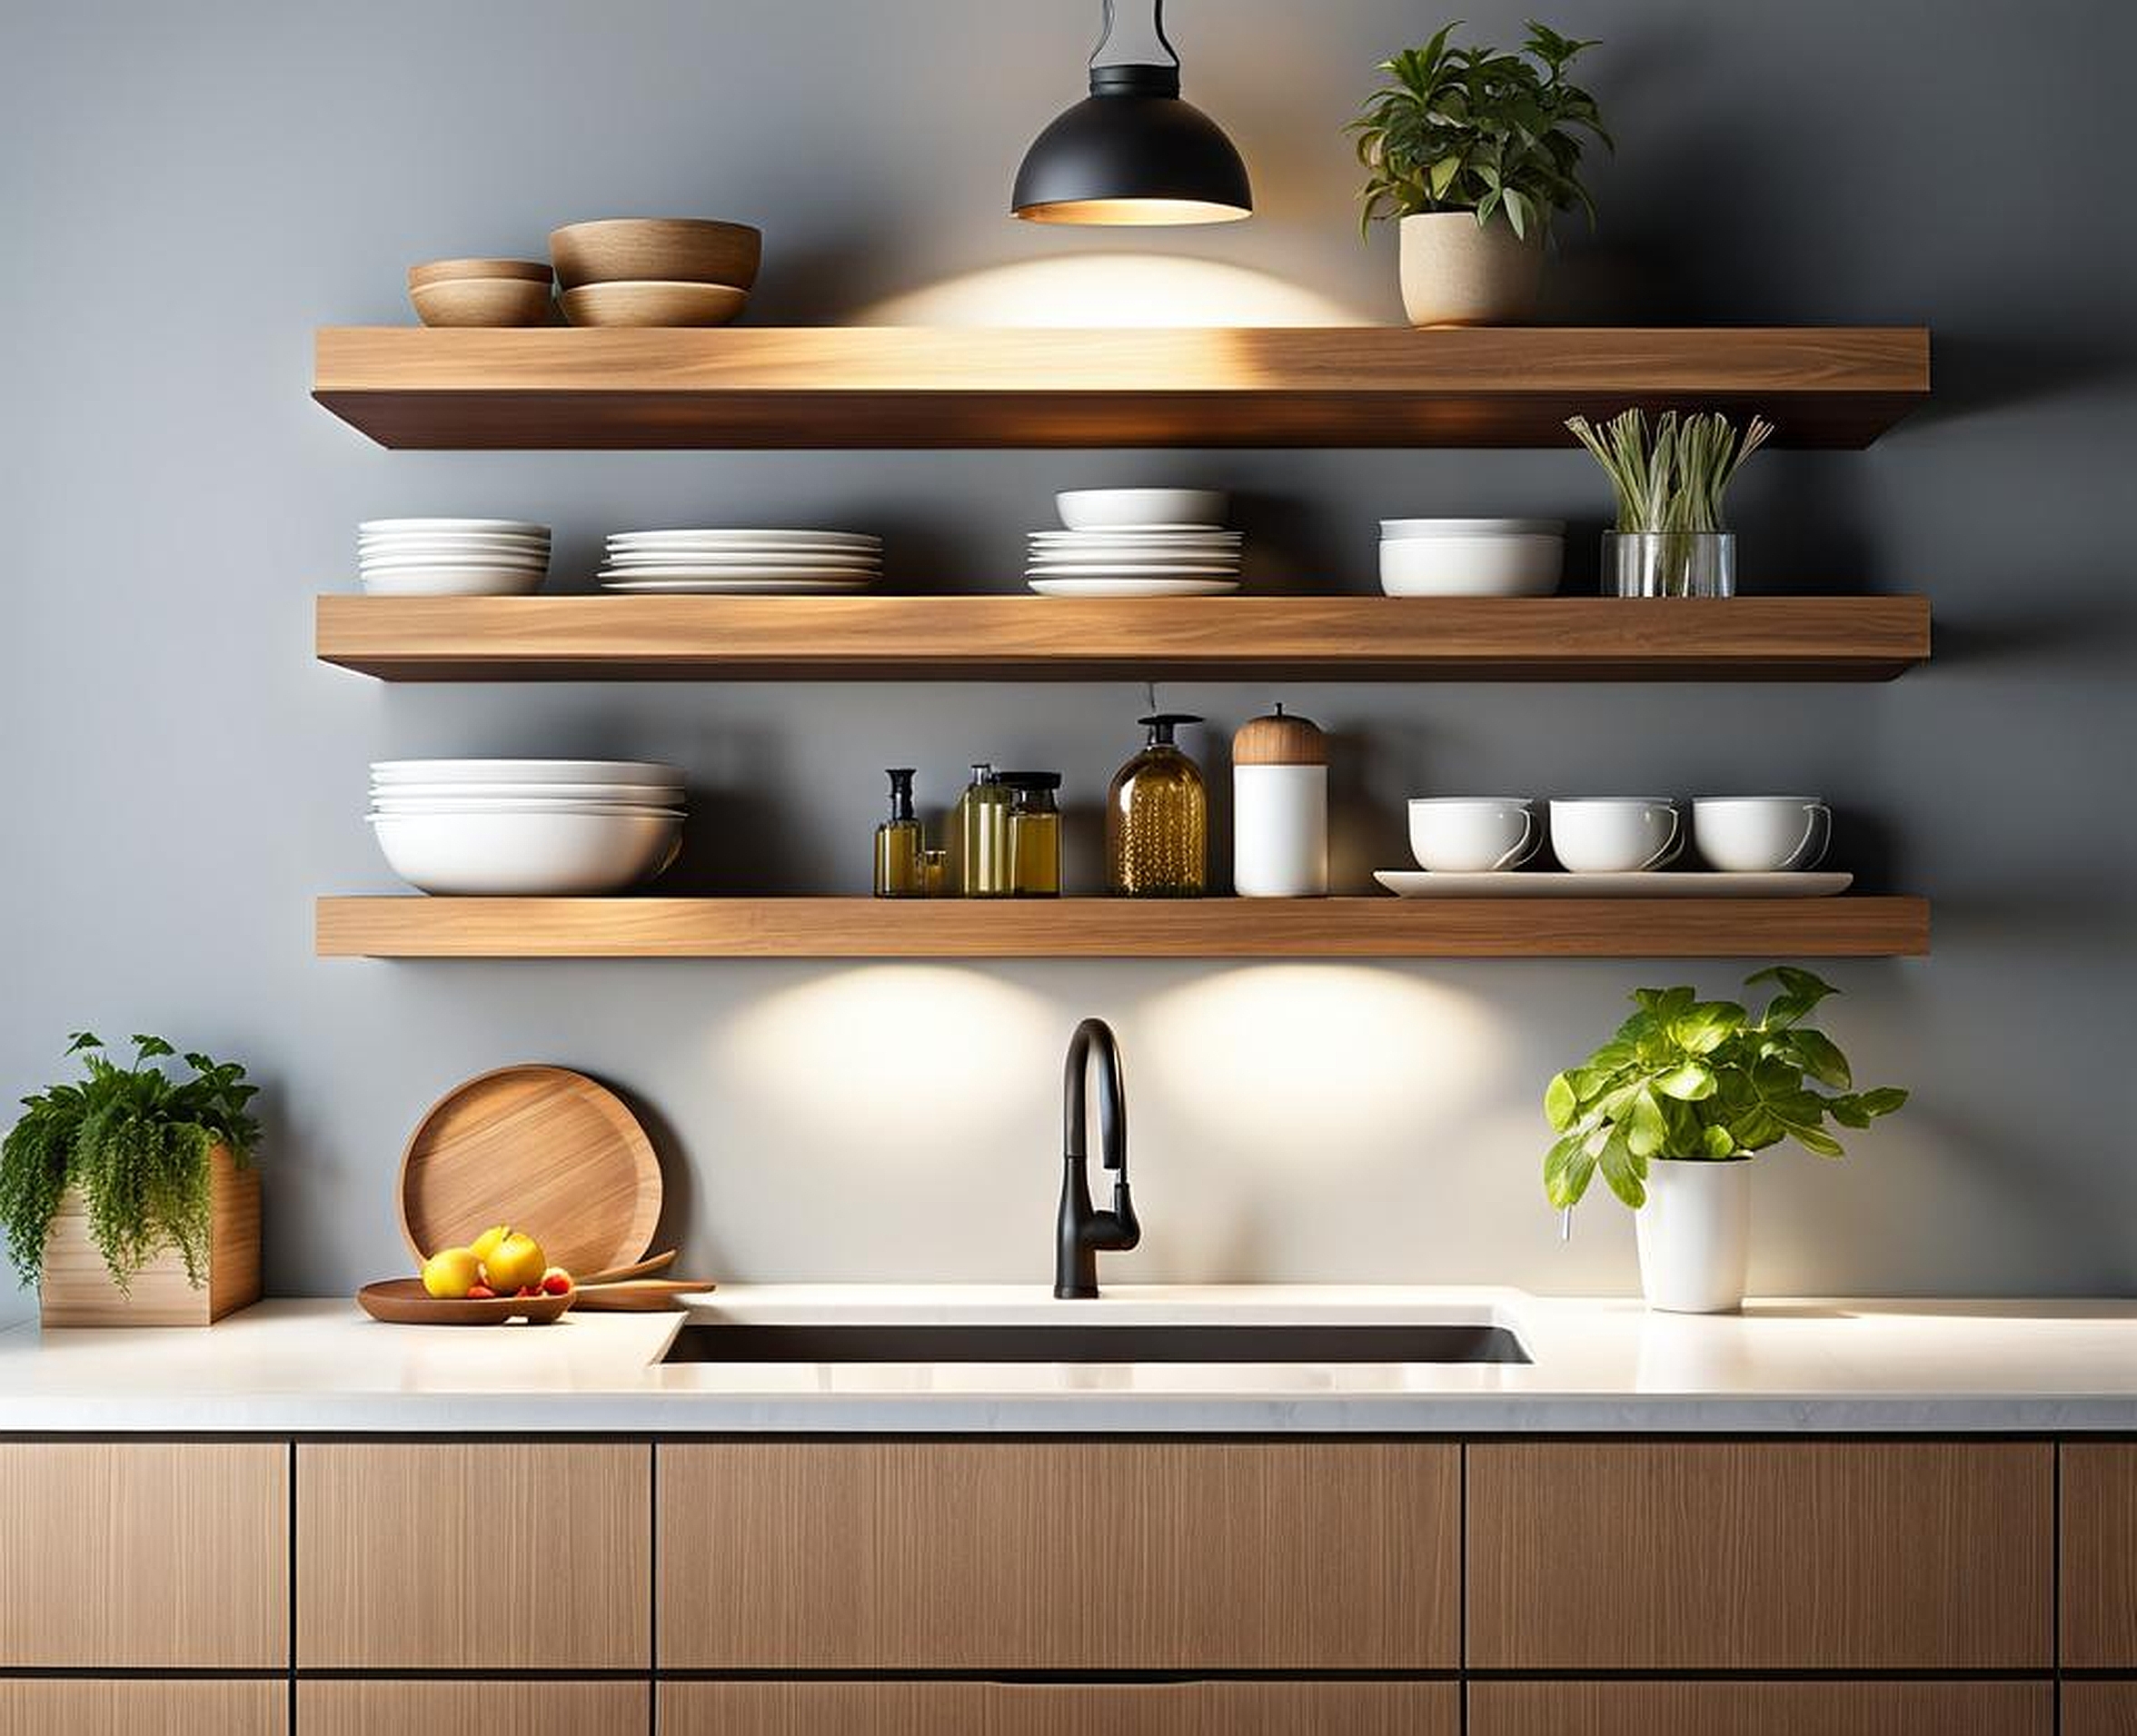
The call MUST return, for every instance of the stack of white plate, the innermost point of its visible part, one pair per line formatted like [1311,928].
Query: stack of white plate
[741,562]
[1137,542]
[452,557]
[526,827]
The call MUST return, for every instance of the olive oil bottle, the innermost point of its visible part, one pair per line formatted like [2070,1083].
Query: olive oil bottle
[1157,820]
[980,835]
[898,872]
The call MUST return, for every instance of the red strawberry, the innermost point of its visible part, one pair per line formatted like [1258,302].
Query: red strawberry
[481,1293]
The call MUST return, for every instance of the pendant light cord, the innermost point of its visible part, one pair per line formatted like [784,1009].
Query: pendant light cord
[1156,24]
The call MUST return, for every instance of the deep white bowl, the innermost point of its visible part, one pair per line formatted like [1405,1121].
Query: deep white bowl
[1473,564]
[1395,530]
[523,771]
[1113,509]
[527,855]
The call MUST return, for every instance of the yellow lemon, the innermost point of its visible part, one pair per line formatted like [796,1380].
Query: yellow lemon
[451,1274]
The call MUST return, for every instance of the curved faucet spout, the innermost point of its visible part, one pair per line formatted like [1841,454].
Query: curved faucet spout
[1081,1233]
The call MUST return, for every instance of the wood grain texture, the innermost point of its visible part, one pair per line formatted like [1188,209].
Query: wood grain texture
[76,1289]
[1371,928]
[1358,639]
[2099,1522]
[1762,1708]
[1082,1709]
[543,1148]
[493,1708]
[143,1708]
[2099,1709]
[446,1556]
[910,387]
[144,1555]
[1767,1555]
[1113,1555]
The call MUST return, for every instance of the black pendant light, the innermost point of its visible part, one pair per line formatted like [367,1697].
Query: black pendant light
[1133,153]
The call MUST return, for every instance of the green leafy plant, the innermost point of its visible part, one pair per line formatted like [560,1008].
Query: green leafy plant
[136,1143]
[1473,129]
[1672,476]
[1685,1078]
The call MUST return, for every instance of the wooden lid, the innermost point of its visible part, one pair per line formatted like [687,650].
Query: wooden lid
[1281,741]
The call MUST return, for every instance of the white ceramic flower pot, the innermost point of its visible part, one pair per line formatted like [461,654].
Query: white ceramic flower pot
[1455,272]
[1694,1234]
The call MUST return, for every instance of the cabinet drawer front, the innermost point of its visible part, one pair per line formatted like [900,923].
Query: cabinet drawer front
[2099,1709]
[144,1555]
[137,1708]
[544,1708]
[1767,1555]
[498,1556]
[1083,1556]
[1762,1708]
[1003,1708]
[2100,1556]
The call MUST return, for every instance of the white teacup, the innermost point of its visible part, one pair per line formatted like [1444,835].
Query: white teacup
[1615,834]
[1761,834]
[1474,834]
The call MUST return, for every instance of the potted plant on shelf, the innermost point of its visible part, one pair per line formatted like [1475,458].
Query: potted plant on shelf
[1674,1106]
[1671,539]
[1475,151]
[129,1196]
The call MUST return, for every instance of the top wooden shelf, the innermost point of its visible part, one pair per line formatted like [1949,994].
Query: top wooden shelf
[840,387]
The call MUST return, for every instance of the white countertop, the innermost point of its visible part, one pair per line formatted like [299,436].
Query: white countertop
[290,1368]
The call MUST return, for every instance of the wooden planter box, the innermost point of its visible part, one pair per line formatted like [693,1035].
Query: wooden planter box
[77,1290]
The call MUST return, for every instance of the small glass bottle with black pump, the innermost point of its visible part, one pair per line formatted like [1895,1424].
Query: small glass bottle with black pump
[899,854]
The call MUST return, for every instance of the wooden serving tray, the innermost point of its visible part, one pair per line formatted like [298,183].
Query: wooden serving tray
[403,1302]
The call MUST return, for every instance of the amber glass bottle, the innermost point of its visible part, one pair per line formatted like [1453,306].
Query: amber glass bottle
[1035,834]
[1157,820]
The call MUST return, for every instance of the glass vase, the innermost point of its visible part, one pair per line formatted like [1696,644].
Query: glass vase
[1670,563]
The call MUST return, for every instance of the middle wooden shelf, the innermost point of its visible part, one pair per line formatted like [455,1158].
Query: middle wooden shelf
[1023,638]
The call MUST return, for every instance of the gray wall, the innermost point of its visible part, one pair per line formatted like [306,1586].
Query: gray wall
[189,191]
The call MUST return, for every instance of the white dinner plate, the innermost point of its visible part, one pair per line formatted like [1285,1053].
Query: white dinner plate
[1662,883]
[494,562]
[1126,569]
[728,538]
[1133,587]
[1195,538]
[712,562]
[820,575]
[780,585]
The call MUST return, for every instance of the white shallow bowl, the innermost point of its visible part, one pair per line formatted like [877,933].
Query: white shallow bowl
[658,795]
[526,855]
[1485,564]
[1395,530]
[1108,508]
[506,527]
[523,771]
[453,581]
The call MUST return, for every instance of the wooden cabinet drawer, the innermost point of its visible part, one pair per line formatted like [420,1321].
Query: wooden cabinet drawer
[1765,1555]
[2100,1556]
[1762,1708]
[496,1555]
[135,1707]
[1005,1709]
[1079,1555]
[2099,1709]
[145,1555]
[498,1707]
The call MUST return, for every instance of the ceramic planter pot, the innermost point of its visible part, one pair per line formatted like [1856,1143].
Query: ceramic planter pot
[1694,1234]
[1455,272]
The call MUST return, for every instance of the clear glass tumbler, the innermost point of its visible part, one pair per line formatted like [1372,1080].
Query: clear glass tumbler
[1670,563]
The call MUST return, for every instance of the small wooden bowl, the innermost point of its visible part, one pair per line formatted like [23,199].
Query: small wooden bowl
[445,271]
[403,1302]
[656,250]
[653,303]
[483,301]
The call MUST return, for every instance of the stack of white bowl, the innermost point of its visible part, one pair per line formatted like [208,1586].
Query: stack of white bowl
[452,557]
[1471,557]
[741,562]
[526,827]
[1138,542]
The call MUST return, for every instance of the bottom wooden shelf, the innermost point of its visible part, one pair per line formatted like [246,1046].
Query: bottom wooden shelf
[1367,927]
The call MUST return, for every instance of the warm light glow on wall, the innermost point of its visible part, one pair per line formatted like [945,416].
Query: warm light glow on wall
[1112,290]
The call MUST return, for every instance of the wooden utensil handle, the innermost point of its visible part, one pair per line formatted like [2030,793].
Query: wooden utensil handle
[655,1263]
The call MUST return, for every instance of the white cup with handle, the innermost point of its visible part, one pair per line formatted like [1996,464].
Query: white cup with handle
[1761,834]
[1615,834]
[1474,834]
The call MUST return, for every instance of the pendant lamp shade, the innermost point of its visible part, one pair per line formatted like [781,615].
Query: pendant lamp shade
[1133,153]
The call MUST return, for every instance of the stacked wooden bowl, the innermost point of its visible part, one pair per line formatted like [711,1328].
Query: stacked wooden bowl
[655,271]
[482,292]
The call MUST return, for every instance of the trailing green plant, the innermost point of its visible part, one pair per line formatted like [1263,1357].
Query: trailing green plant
[1672,476]
[1473,129]
[136,1143]
[1685,1078]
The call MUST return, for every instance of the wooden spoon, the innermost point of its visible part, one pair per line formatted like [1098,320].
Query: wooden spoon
[644,1269]
[643,1298]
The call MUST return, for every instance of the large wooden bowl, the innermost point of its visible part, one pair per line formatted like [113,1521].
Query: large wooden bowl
[656,250]
[656,304]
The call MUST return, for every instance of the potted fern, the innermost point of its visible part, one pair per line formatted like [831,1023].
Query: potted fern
[1475,151]
[128,1197]
[1670,1111]
[1670,478]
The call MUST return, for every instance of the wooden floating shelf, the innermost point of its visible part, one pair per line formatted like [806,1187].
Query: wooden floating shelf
[497,638]
[1367,927]
[912,387]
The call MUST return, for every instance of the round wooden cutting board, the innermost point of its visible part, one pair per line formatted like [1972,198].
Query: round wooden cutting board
[543,1149]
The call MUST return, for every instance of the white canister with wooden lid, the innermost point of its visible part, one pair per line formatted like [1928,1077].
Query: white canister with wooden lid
[1280,808]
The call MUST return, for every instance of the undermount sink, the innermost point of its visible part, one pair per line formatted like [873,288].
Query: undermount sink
[1421,1342]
